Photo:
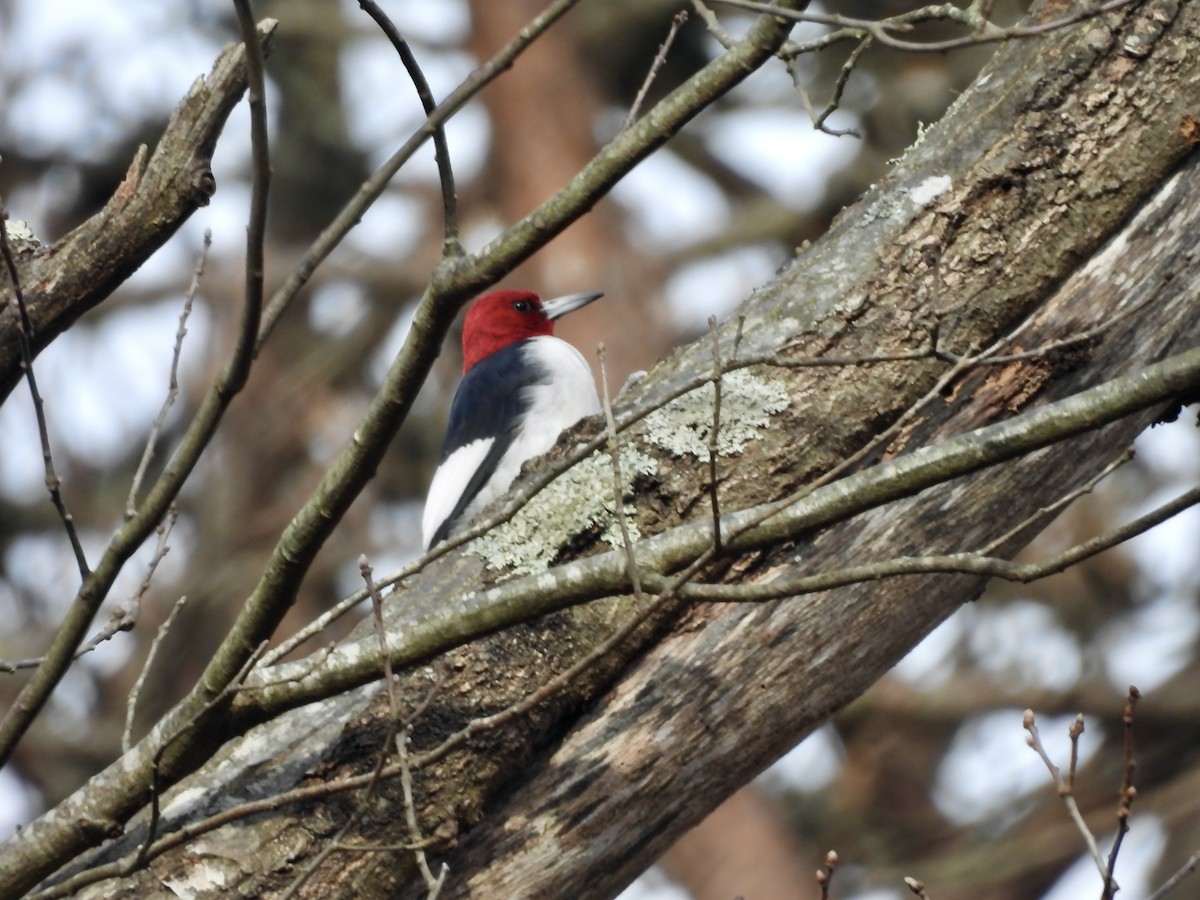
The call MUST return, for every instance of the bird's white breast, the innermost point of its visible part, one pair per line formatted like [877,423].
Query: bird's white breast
[560,393]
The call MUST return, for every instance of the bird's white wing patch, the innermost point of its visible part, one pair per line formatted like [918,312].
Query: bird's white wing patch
[448,483]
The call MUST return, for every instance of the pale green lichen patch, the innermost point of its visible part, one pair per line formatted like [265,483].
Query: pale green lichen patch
[747,403]
[579,500]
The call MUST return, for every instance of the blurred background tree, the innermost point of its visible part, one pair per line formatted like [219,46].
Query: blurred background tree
[926,774]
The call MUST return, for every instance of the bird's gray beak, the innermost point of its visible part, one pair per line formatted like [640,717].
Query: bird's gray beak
[560,306]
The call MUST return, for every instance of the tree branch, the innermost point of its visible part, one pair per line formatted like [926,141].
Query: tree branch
[159,192]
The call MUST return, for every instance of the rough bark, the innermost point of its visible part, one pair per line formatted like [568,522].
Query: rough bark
[1047,199]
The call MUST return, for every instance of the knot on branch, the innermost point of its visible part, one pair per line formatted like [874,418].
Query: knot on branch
[203,183]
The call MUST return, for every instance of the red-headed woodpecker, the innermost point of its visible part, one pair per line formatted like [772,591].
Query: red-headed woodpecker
[521,388]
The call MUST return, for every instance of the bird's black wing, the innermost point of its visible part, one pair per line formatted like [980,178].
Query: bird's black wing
[490,403]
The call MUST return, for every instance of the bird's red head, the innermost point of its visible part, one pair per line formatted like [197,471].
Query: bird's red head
[501,318]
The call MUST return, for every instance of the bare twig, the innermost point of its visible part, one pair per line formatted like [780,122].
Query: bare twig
[1052,509]
[713,435]
[713,24]
[450,243]
[25,341]
[123,617]
[614,453]
[825,875]
[917,887]
[331,615]
[955,563]
[368,576]
[1079,338]
[1064,790]
[1075,732]
[1181,873]
[884,30]
[256,228]
[131,703]
[839,87]
[432,884]
[660,59]
[173,382]
[1127,794]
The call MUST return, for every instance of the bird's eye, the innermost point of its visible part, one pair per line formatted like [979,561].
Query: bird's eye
[522,305]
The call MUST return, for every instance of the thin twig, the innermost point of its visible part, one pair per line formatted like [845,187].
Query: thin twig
[1192,863]
[173,381]
[161,549]
[714,435]
[1075,732]
[883,30]
[451,247]
[954,563]
[825,874]
[434,885]
[1127,794]
[1058,505]
[839,87]
[256,228]
[123,617]
[335,612]
[917,887]
[25,343]
[660,59]
[614,453]
[131,703]
[1064,790]
[1079,338]
[368,576]
[713,24]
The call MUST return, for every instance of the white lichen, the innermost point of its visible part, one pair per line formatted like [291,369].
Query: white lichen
[930,189]
[747,403]
[579,500]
